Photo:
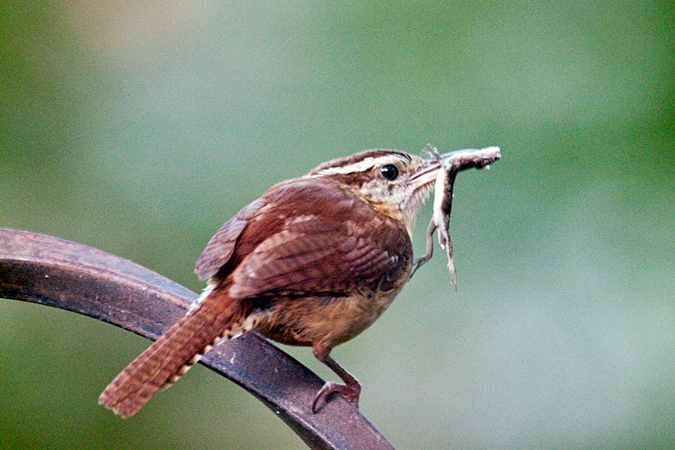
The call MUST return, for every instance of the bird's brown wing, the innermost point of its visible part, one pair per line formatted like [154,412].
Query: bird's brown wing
[221,246]
[323,250]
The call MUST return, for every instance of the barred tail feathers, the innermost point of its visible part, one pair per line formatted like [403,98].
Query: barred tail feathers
[161,364]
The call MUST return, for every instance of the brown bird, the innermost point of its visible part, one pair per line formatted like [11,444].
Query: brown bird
[313,262]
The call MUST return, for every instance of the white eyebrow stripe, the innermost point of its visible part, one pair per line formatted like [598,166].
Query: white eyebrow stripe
[363,166]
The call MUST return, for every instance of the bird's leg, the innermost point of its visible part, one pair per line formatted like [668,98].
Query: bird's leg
[350,390]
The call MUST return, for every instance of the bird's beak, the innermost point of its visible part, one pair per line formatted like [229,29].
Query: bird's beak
[458,160]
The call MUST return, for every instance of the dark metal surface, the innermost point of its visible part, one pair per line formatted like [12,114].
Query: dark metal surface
[55,272]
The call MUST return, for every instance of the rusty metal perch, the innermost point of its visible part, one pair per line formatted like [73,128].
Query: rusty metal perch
[66,275]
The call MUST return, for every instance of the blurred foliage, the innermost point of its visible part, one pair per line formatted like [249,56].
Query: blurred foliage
[139,128]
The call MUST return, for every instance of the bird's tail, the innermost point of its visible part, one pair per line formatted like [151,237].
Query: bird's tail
[214,318]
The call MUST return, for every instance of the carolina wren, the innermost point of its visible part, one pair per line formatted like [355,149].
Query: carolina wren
[313,262]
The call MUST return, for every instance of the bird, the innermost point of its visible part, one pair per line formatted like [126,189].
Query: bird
[313,262]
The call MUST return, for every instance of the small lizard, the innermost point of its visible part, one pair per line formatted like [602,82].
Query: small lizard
[451,163]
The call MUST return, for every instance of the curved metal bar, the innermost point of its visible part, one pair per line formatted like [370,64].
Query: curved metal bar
[55,272]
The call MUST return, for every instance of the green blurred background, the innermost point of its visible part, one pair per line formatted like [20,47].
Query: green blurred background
[140,127]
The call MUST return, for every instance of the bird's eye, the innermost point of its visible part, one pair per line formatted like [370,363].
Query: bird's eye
[389,171]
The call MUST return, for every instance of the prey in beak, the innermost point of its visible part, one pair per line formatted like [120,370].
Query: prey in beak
[444,169]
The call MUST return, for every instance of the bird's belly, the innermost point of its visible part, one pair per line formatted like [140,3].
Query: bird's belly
[322,319]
